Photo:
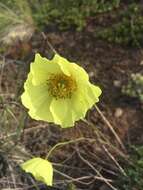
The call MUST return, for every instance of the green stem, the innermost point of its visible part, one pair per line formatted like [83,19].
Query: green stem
[63,144]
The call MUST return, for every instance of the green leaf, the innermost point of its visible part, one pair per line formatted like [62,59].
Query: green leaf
[41,169]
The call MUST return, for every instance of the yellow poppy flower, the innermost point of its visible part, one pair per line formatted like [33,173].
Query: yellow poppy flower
[58,91]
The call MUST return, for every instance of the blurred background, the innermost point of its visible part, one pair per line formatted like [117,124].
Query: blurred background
[105,38]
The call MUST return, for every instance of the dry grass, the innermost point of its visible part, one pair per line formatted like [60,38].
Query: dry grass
[15,21]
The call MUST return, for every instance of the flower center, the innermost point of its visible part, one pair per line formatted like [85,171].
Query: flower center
[61,86]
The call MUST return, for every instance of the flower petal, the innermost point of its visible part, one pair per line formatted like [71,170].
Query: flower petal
[69,120]
[79,73]
[41,68]
[44,112]
[60,109]
[63,63]
[37,100]
[92,94]
[26,100]
[41,169]
[95,92]
[79,106]
[70,68]
[84,99]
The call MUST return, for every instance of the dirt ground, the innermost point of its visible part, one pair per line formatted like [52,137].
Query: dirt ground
[109,66]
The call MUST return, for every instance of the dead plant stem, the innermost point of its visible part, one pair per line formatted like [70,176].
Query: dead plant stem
[110,127]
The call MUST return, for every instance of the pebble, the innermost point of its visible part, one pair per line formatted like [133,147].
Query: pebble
[117,83]
[118,112]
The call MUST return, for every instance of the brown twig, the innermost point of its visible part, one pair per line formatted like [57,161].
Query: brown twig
[48,43]
[114,160]
[97,172]
[110,127]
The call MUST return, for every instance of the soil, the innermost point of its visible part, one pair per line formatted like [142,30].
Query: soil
[109,66]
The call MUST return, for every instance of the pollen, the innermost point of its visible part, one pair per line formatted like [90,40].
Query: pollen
[61,86]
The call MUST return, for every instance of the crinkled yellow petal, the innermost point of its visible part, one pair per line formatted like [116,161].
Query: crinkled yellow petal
[69,120]
[28,81]
[44,112]
[91,95]
[59,109]
[37,100]
[70,68]
[79,73]
[37,94]
[93,92]
[41,169]
[63,63]
[26,100]
[33,115]
[62,113]
[41,68]
[84,99]
[79,105]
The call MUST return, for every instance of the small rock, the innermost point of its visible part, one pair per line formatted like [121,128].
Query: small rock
[91,74]
[118,112]
[117,83]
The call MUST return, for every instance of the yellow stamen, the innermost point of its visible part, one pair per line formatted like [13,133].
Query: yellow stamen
[61,86]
